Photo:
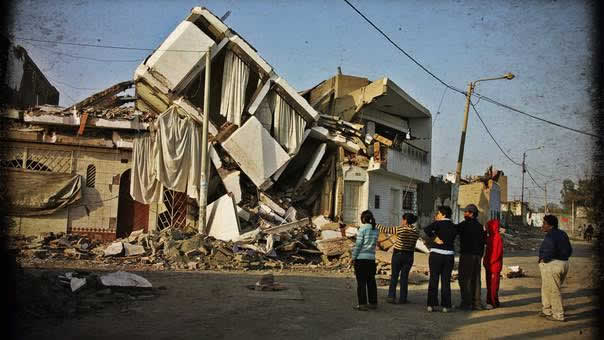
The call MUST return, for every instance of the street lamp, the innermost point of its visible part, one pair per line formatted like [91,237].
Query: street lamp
[471,86]
[523,171]
[464,128]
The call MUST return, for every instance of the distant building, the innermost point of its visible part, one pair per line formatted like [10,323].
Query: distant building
[512,212]
[485,195]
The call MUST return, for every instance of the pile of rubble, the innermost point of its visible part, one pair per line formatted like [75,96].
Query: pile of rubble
[521,238]
[73,294]
[294,245]
[301,245]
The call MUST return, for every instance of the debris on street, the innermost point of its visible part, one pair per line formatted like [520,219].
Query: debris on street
[513,271]
[52,295]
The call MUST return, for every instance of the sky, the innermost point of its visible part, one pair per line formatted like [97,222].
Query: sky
[546,44]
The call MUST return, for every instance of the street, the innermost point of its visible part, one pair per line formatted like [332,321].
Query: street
[212,305]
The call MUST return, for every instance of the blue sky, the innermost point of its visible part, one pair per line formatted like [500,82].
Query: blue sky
[544,43]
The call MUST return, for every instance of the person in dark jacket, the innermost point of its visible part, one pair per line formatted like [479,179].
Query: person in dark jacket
[442,235]
[472,241]
[589,232]
[553,264]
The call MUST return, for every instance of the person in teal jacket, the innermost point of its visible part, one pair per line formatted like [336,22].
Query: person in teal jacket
[363,259]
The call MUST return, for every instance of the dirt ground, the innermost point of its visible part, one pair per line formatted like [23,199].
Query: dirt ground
[211,305]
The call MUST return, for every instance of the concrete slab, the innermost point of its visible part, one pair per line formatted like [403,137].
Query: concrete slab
[255,151]
[175,67]
[272,204]
[243,214]
[233,185]
[222,220]
[311,167]
[124,279]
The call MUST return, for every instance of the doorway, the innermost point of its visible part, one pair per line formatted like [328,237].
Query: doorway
[352,199]
[131,215]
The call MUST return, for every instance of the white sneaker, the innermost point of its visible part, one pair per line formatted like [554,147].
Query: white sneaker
[445,310]
[430,309]
[489,307]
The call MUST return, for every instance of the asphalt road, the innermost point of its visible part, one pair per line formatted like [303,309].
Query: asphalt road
[209,305]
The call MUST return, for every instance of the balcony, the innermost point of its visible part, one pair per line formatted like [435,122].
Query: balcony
[406,161]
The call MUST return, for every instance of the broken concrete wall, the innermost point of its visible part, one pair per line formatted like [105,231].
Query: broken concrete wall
[24,85]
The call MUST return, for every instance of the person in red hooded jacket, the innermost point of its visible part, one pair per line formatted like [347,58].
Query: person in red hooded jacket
[493,262]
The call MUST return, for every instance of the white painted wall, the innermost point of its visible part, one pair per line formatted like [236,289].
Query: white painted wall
[406,163]
[381,184]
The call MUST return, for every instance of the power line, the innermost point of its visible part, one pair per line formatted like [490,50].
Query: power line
[531,176]
[401,49]
[85,58]
[105,46]
[439,105]
[493,138]
[74,87]
[492,101]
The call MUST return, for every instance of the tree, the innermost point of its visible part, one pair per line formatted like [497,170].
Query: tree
[581,194]
[568,193]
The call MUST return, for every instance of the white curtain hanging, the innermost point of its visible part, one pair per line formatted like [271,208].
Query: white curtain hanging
[144,186]
[172,159]
[234,82]
[288,126]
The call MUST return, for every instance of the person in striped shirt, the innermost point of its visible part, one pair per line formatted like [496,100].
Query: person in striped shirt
[363,259]
[402,257]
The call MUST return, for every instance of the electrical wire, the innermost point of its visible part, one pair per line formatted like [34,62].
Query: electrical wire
[492,137]
[105,46]
[401,49]
[490,100]
[73,87]
[439,105]
[532,179]
[83,57]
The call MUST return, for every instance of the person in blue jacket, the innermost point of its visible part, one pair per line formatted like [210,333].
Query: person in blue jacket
[363,259]
[553,264]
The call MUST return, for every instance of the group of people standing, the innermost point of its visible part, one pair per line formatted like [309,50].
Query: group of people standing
[479,246]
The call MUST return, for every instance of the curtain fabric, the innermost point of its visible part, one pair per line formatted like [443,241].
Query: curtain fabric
[144,186]
[234,82]
[288,126]
[36,193]
[172,159]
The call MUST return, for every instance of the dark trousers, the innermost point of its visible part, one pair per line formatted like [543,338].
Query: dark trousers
[441,267]
[402,261]
[364,270]
[469,279]
[492,288]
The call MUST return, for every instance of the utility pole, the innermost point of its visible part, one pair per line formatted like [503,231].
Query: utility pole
[545,190]
[203,190]
[522,194]
[464,128]
[572,211]
[462,142]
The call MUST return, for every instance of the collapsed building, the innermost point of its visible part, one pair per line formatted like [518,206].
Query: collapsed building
[128,158]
